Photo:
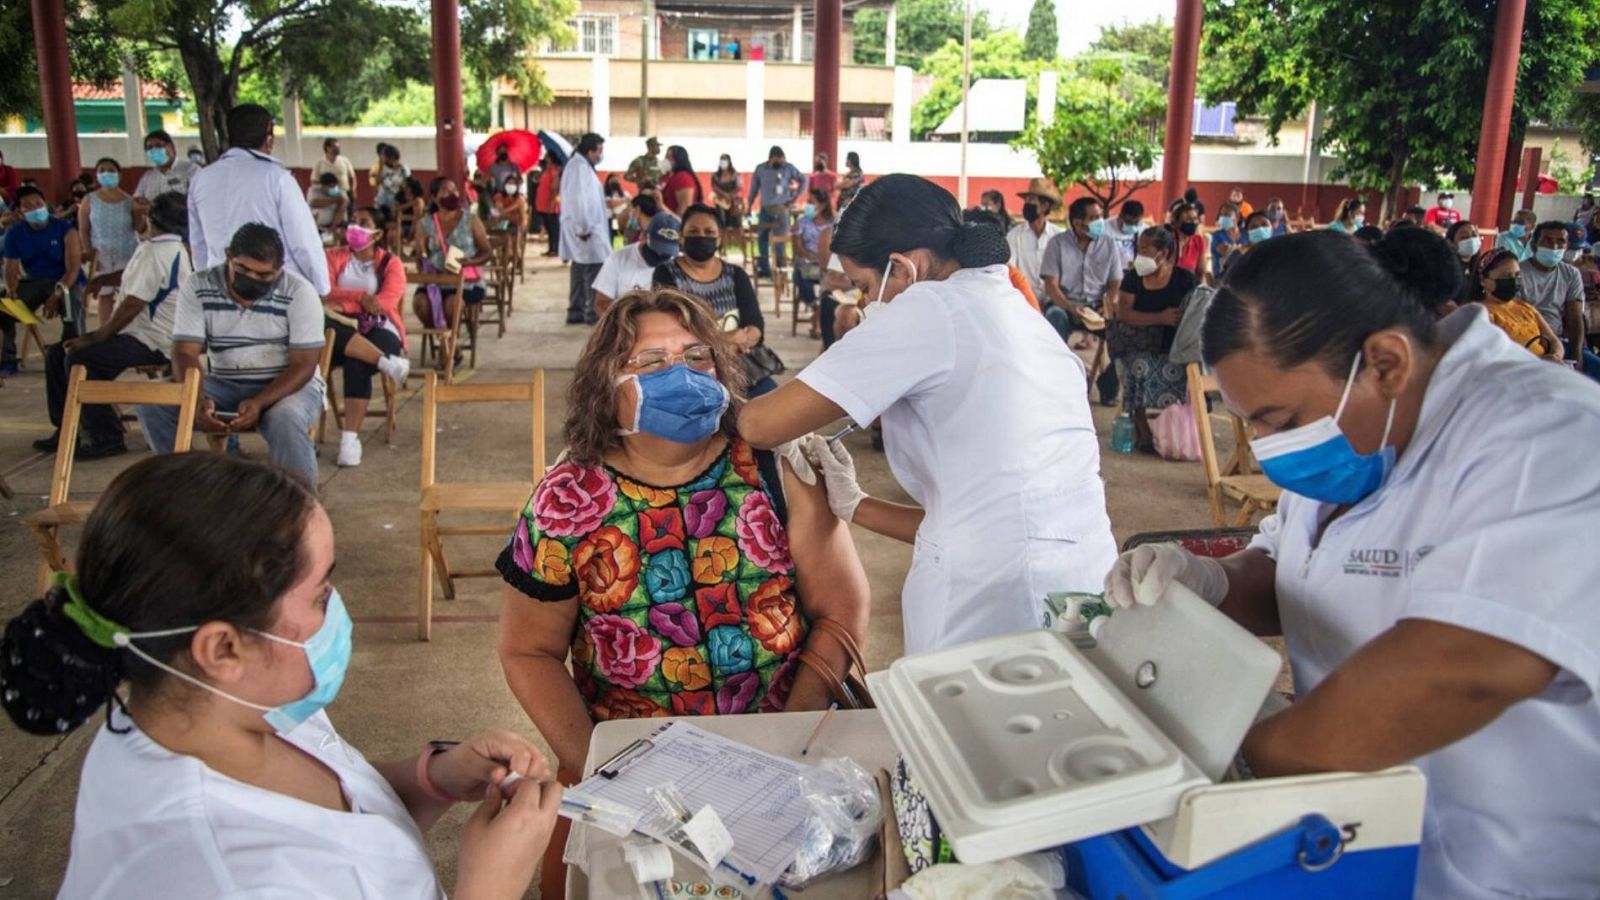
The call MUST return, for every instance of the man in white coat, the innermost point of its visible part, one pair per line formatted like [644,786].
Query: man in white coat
[585,239]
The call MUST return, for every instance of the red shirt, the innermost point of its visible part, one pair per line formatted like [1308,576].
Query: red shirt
[9,182]
[549,186]
[824,181]
[1441,217]
[679,181]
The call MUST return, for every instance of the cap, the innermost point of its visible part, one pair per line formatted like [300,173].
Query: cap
[651,140]
[662,234]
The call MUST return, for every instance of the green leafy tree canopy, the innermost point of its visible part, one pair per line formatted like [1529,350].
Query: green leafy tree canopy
[95,48]
[1040,42]
[1107,130]
[922,27]
[1399,85]
[1146,47]
[308,44]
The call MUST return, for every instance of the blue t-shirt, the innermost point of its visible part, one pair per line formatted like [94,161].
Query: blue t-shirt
[42,251]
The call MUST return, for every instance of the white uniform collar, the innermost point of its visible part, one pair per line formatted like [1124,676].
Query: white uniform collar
[1471,341]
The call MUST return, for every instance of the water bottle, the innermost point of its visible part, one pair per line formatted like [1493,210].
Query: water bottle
[1122,434]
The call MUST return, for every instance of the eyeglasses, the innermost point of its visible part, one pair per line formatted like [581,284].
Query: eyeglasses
[698,356]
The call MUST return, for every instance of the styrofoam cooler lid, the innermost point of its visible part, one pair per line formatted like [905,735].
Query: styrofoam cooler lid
[1022,742]
[1193,671]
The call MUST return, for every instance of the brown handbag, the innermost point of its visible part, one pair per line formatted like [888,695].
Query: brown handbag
[849,688]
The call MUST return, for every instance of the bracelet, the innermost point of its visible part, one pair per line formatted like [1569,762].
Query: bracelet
[432,749]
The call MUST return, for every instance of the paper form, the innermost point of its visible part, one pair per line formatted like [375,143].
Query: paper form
[756,794]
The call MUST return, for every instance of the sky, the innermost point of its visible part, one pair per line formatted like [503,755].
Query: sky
[1078,22]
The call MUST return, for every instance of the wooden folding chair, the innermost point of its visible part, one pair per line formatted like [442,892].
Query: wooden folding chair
[332,408]
[442,342]
[46,524]
[467,496]
[501,279]
[780,274]
[1254,493]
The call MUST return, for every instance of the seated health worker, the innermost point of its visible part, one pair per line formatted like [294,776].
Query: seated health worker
[219,773]
[1429,566]
[985,419]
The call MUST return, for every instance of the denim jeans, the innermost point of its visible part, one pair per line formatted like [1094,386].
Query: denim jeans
[284,425]
[1065,325]
[772,220]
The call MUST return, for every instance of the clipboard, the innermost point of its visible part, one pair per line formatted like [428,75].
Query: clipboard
[756,794]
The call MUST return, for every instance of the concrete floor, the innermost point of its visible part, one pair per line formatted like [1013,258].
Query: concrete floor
[400,692]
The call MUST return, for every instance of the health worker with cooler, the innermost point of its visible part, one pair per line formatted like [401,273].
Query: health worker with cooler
[985,420]
[1430,566]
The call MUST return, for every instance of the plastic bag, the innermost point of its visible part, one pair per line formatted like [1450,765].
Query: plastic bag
[845,814]
[1176,434]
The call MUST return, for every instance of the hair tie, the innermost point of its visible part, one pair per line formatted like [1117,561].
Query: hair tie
[94,626]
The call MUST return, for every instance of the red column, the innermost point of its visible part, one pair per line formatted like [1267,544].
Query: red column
[55,93]
[1530,175]
[449,139]
[1497,99]
[1180,99]
[825,81]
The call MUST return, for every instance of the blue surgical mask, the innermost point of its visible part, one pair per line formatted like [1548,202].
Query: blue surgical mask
[157,156]
[680,404]
[1224,222]
[1096,229]
[108,179]
[1467,248]
[327,653]
[810,210]
[197,158]
[1549,257]
[1257,235]
[37,216]
[1317,461]
[1518,230]
[1357,222]
[333,192]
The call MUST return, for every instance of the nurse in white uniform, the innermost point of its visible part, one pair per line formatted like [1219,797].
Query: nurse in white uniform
[1432,565]
[985,420]
[220,776]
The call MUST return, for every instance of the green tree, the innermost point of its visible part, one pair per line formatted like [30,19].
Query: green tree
[922,27]
[1106,134]
[310,42]
[412,104]
[1146,46]
[1400,85]
[1000,55]
[95,48]
[1040,43]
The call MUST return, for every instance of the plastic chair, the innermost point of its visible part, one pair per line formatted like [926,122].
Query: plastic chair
[46,524]
[442,342]
[466,496]
[1254,493]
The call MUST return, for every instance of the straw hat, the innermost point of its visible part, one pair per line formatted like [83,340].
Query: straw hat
[1041,187]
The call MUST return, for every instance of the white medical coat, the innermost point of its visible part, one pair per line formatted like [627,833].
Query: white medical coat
[1486,523]
[986,424]
[152,823]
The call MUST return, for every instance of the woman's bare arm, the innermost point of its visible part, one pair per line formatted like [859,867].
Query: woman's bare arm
[534,639]
[831,581]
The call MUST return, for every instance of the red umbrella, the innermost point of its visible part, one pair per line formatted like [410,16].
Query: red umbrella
[523,147]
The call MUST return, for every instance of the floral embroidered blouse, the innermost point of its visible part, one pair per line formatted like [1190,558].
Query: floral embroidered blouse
[686,597]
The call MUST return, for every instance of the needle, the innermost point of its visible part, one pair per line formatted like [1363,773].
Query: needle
[841,435]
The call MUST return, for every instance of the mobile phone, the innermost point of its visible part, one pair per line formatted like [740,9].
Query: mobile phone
[224,416]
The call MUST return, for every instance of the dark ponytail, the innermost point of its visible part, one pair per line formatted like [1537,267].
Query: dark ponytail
[1315,297]
[900,213]
[177,540]
[1423,263]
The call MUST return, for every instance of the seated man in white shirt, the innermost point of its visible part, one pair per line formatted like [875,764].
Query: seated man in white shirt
[1125,228]
[328,205]
[139,332]
[261,327]
[631,267]
[1029,238]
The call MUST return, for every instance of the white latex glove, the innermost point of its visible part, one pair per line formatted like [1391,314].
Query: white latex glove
[838,475]
[794,454]
[1144,573]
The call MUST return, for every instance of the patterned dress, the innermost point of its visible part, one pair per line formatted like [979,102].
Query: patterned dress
[686,595]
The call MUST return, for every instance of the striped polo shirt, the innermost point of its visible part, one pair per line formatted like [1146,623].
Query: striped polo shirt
[248,343]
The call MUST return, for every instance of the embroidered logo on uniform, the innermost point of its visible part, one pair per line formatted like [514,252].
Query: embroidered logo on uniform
[1380,562]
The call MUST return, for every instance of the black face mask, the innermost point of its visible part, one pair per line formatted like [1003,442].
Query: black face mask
[649,255]
[1030,211]
[1505,288]
[1189,228]
[699,247]
[250,288]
